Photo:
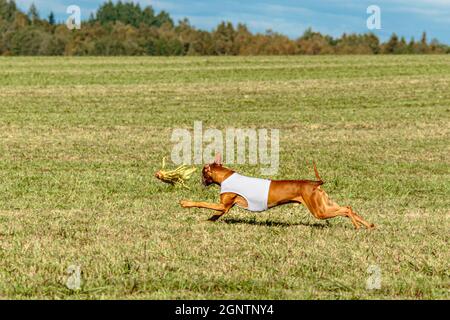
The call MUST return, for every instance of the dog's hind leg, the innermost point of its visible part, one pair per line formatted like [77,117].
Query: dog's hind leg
[335,211]
[332,212]
[323,208]
[361,220]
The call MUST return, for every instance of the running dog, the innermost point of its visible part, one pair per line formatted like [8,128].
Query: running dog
[256,194]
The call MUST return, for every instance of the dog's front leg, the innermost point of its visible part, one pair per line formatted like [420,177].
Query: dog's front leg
[206,205]
[227,201]
[213,206]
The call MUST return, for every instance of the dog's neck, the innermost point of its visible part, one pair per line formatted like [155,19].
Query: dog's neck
[219,174]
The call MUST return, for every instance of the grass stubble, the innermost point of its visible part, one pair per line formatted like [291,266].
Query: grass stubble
[82,137]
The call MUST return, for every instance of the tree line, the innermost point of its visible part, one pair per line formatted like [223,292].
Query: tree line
[124,28]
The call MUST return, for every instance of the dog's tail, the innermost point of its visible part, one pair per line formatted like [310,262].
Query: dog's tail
[320,181]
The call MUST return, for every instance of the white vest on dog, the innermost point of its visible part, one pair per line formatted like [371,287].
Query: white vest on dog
[254,190]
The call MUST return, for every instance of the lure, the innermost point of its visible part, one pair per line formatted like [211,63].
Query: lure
[176,176]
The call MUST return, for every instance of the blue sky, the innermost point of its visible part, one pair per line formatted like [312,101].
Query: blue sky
[291,17]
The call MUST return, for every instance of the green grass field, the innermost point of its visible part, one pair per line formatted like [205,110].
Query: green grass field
[82,137]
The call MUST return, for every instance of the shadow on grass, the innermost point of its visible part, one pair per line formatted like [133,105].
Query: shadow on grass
[271,223]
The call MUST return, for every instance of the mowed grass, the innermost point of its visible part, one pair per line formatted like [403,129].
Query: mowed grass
[82,137]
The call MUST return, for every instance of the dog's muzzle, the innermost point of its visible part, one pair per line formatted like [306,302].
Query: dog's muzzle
[206,182]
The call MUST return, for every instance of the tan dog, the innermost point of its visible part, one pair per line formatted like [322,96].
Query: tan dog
[307,192]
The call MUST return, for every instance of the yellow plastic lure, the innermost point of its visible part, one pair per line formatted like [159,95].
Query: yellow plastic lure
[177,176]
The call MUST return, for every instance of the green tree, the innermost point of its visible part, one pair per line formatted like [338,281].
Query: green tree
[51,18]
[8,9]
[148,16]
[423,46]
[313,43]
[402,46]
[392,45]
[106,13]
[28,41]
[223,37]
[33,13]
[372,41]
[163,18]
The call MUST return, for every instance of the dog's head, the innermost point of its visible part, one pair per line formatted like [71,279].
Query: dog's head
[208,170]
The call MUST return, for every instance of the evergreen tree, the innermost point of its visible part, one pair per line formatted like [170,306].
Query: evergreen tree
[51,18]
[223,38]
[148,16]
[33,13]
[8,9]
[412,46]
[106,13]
[402,46]
[91,18]
[392,45]
[423,40]
[423,47]
[163,18]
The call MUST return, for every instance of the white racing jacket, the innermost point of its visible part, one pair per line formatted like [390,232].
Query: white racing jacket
[254,190]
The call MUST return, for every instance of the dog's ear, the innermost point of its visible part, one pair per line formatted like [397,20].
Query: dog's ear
[218,159]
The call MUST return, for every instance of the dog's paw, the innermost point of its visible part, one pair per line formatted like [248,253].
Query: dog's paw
[184,203]
[214,218]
